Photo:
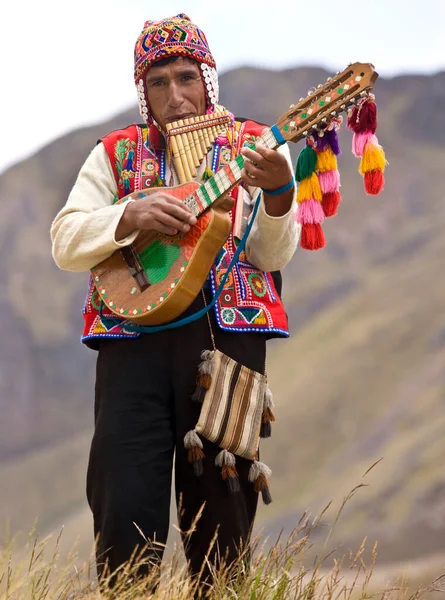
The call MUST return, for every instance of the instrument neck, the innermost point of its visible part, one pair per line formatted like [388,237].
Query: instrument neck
[226,178]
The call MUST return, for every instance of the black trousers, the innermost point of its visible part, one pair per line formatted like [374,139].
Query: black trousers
[142,412]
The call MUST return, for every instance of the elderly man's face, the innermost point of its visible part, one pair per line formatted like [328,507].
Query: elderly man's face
[175,91]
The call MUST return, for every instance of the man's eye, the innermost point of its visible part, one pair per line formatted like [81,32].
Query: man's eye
[157,83]
[187,78]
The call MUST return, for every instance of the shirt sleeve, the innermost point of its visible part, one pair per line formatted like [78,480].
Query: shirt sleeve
[273,240]
[83,232]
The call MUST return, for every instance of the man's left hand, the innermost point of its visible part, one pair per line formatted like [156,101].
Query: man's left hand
[265,168]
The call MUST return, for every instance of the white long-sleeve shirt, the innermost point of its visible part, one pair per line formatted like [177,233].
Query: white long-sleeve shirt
[84,231]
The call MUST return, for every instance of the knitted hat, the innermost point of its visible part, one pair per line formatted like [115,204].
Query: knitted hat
[174,36]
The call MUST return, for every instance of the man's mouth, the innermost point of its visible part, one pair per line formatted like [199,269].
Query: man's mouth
[174,118]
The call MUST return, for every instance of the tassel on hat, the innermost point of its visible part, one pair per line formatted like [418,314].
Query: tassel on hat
[258,475]
[226,460]
[204,377]
[193,444]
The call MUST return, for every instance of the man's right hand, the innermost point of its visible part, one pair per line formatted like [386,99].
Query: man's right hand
[159,212]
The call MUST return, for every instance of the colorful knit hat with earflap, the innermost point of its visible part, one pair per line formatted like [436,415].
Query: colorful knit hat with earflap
[174,36]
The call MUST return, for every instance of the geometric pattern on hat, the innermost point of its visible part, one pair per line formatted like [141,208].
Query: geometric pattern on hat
[174,36]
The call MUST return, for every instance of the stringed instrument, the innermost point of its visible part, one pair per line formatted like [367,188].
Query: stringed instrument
[152,281]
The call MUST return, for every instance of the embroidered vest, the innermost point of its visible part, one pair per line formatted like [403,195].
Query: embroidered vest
[249,301]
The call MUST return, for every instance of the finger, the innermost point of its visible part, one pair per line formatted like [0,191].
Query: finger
[250,179]
[158,226]
[172,222]
[253,172]
[155,225]
[177,209]
[251,154]
[269,155]
[168,199]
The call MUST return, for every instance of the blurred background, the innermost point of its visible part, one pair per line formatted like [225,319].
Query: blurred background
[362,377]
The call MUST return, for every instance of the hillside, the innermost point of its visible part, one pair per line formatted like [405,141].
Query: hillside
[361,378]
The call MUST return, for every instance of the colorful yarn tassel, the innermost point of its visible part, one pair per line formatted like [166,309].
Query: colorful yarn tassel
[258,475]
[365,145]
[327,151]
[157,181]
[193,444]
[268,417]
[309,195]
[208,173]
[204,377]
[226,460]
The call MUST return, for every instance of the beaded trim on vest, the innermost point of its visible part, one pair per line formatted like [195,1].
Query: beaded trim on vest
[249,301]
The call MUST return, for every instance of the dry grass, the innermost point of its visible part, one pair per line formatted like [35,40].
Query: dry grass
[277,572]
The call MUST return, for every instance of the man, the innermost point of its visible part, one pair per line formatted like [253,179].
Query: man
[145,381]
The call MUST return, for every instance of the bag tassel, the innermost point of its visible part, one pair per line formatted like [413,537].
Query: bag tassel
[309,195]
[328,149]
[268,417]
[193,444]
[362,122]
[258,474]
[204,377]
[226,460]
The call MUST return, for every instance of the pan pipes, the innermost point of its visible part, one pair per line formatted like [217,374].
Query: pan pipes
[189,140]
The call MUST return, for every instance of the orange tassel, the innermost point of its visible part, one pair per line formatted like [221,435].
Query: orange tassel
[195,454]
[268,416]
[228,471]
[204,380]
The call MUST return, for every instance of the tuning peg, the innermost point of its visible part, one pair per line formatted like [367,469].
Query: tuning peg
[329,79]
[319,86]
[324,120]
[310,92]
[305,133]
[301,99]
[334,113]
[292,105]
[343,106]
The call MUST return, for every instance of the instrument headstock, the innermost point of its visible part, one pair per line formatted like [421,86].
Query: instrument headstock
[326,102]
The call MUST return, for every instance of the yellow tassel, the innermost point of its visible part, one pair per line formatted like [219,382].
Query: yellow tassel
[207,174]
[373,159]
[309,188]
[326,161]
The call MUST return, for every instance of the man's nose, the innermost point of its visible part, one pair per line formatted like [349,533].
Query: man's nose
[175,96]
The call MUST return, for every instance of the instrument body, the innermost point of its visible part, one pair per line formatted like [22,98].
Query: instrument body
[177,266]
[153,281]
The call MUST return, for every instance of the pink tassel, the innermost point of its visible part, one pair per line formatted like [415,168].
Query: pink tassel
[360,139]
[329,181]
[310,212]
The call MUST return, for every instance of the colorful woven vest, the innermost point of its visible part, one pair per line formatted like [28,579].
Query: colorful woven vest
[249,301]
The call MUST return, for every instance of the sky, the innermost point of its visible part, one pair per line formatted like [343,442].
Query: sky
[67,65]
